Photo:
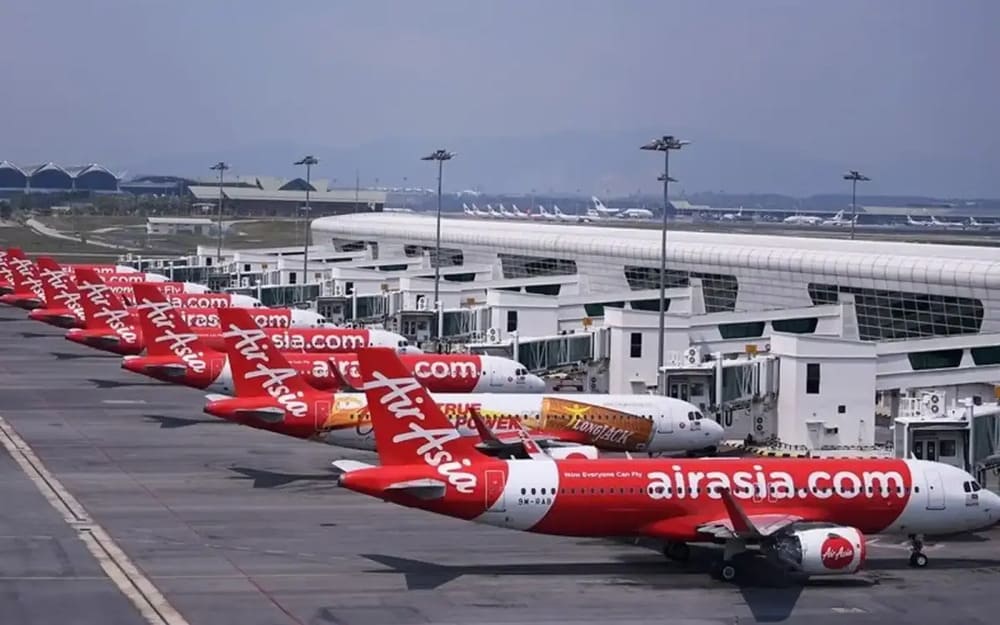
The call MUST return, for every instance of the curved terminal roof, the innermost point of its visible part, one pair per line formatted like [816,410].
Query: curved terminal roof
[53,176]
[879,260]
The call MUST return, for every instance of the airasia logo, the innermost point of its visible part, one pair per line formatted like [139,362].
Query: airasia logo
[837,552]
[211,320]
[322,341]
[402,405]
[181,300]
[252,346]
[116,319]
[158,313]
[23,267]
[446,370]
[127,278]
[56,280]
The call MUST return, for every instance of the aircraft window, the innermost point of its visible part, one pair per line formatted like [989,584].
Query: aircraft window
[658,490]
[976,487]
[916,489]
[698,416]
[524,491]
[967,487]
[532,491]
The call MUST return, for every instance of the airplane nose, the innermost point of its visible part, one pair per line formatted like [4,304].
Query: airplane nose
[533,383]
[133,364]
[713,431]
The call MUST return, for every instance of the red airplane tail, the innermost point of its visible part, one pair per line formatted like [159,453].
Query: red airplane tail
[102,308]
[409,426]
[24,274]
[164,330]
[59,287]
[259,369]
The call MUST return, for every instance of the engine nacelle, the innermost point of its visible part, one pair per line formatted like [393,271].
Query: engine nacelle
[823,551]
[574,452]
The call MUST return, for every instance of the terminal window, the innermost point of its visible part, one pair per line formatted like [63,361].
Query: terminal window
[720,290]
[897,315]
[812,378]
[511,320]
[635,345]
[523,266]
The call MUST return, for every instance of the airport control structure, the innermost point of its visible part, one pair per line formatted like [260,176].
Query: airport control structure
[795,345]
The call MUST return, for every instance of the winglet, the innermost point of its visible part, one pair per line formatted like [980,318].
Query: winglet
[742,525]
[484,431]
[338,375]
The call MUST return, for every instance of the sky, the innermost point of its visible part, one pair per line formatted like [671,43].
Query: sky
[775,95]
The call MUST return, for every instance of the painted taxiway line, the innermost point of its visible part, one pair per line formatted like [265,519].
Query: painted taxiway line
[126,576]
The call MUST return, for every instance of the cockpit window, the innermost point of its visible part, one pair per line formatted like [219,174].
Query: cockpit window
[521,371]
[698,416]
[967,487]
[403,343]
[976,487]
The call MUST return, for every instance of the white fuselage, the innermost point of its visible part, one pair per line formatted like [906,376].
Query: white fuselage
[671,428]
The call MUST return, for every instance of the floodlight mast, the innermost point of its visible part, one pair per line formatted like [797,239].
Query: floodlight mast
[308,161]
[855,177]
[220,167]
[664,144]
[440,156]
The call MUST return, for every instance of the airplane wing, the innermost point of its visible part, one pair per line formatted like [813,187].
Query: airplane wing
[739,524]
[265,414]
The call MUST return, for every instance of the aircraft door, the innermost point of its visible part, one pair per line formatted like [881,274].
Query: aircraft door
[664,423]
[495,493]
[497,379]
[935,489]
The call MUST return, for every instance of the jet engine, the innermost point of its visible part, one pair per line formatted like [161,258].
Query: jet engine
[573,452]
[822,551]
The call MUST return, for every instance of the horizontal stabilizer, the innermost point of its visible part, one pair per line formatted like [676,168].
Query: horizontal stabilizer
[347,466]
[421,489]
[172,370]
[268,415]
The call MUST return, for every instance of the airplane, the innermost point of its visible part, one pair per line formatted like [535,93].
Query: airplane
[809,516]
[737,216]
[492,212]
[984,225]
[649,423]
[803,220]
[478,212]
[467,211]
[561,216]
[6,277]
[839,220]
[946,224]
[504,212]
[517,212]
[27,290]
[636,213]
[174,353]
[544,214]
[601,210]
[910,221]
[62,307]
[110,325]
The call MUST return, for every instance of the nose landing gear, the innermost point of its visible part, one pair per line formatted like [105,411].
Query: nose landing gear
[917,558]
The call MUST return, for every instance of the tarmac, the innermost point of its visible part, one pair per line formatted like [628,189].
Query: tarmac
[122,503]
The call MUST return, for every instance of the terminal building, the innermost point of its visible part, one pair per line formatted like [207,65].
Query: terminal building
[810,341]
[811,344]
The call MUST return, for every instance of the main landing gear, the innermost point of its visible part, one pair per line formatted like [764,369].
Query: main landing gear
[917,558]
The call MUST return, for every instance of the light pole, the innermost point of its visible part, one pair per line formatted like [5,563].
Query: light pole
[854,176]
[220,167]
[440,156]
[663,144]
[308,161]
